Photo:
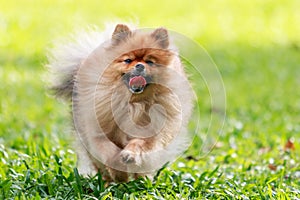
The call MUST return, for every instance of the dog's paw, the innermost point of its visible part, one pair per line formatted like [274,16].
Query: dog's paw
[130,157]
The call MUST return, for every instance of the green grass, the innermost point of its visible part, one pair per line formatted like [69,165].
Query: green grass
[255,44]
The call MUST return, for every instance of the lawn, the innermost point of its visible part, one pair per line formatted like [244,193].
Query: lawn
[255,155]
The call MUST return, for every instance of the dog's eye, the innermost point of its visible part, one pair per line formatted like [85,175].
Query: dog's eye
[128,61]
[149,62]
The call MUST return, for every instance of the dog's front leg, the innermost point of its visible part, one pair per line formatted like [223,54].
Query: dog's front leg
[132,153]
[106,157]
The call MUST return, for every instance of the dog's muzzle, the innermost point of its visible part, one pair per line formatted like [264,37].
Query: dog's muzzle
[136,80]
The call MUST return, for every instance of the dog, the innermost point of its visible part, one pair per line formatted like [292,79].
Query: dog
[130,96]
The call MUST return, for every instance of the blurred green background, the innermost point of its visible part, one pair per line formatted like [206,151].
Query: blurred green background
[255,44]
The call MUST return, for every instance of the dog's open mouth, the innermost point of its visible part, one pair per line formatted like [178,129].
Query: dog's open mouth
[137,84]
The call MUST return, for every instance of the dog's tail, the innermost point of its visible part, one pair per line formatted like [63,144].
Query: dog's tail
[65,57]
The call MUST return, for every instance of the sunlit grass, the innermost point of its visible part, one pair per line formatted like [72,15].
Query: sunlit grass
[255,44]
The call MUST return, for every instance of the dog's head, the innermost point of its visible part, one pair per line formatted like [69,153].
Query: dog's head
[145,62]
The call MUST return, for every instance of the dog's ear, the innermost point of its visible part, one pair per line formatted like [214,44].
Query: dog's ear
[120,33]
[161,37]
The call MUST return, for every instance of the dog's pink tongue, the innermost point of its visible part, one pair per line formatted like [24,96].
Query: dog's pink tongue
[137,81]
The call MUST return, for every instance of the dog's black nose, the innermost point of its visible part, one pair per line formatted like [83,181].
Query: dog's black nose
[139,67]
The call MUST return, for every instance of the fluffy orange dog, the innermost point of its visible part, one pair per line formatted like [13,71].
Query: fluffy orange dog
[131,100]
